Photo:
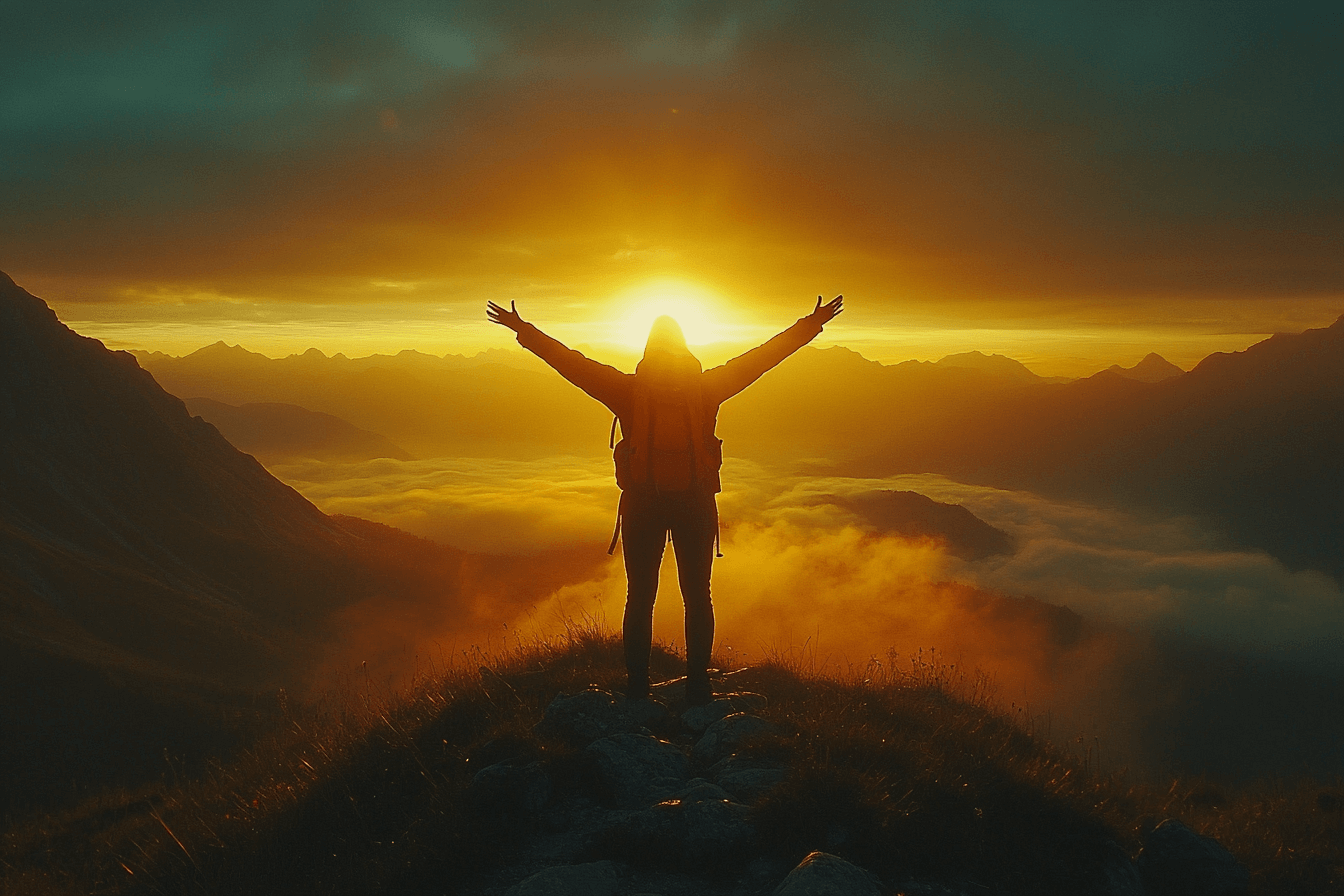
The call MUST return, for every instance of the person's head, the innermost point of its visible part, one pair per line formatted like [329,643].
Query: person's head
[666,351]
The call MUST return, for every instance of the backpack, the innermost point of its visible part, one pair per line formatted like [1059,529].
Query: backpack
[666,446]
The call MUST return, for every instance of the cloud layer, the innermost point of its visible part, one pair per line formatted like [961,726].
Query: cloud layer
[1173,653]
[787,546]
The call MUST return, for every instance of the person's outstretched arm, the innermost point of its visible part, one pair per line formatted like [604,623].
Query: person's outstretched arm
[722,383]
[606,384]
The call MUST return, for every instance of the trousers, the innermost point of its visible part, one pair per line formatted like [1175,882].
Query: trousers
[691,520]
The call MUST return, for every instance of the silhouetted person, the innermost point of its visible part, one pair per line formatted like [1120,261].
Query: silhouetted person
[667,466]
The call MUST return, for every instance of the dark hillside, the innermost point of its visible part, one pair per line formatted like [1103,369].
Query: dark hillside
[1251,441]
[153,577]
[491,775]
[274,432]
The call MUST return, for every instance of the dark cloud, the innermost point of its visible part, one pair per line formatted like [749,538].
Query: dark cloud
[1013,148]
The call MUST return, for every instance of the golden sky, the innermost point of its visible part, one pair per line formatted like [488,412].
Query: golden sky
[1070,185]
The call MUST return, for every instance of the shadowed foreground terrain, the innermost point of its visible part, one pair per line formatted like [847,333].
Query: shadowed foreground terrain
[481,778]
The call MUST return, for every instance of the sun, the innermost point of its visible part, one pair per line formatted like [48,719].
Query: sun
[694,307]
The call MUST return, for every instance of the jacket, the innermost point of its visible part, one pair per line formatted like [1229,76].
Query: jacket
[631,398]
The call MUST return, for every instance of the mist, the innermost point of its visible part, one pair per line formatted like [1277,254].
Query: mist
[788,543]
[1148,637]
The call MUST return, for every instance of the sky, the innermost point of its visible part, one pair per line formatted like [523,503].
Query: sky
[1073,185]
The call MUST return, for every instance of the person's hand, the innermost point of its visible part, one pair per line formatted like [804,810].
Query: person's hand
[823,314]
[505,316]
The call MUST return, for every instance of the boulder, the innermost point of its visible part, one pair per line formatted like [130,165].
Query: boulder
[697,790]
[1115,874]
[692,835]
[731,765]
[727,735]
[636,769]
[750,784]
[698,718]
[579,719]
[590,879]
[1176,861]
[822,874]
[714,832]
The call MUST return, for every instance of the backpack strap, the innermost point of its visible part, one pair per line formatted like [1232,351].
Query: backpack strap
[717,551]
[611,443]
[616,533]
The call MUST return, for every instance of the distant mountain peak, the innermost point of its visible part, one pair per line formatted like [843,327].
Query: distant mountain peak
[222,349]
[998,365]
[1152,369]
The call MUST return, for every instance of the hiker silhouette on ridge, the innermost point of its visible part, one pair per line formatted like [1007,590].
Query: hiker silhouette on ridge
[667,467]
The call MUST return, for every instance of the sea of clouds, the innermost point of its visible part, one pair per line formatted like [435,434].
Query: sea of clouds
[787,547]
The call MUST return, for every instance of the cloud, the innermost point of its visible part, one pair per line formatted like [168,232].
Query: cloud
[786,543]
[919,152]
[1164,574]
[479,505]
[1145,634]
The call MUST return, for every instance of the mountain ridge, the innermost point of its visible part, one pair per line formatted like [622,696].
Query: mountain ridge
[157,579]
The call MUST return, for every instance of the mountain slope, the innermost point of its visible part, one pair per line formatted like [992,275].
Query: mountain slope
[274,432]
[1152,369]
[1250,440]
[152,576]
[128,521]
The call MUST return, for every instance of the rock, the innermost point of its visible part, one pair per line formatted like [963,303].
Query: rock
[1176,861]
[1115,874]
[591,879]
[749,785]
[694,836]
[582,718]
[731,765]
[507,790]
[714,832]
[645,713]
[636,769]
[747,779]
[727,735]
[822,874]
[698,718]
[698,790]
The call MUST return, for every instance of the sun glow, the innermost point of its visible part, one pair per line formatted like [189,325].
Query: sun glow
[696,309]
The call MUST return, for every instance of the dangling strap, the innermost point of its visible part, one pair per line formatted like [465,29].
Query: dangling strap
[616,533]
[611,443]
[717,552]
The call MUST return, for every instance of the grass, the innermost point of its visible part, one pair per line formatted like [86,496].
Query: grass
[904,767]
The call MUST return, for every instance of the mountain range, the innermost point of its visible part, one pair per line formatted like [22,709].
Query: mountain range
[1247,441]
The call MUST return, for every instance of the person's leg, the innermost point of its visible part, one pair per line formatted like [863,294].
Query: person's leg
[643,535]
[693,529]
